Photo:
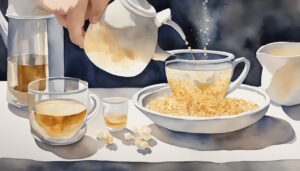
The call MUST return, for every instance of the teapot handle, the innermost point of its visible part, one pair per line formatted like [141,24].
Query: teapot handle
[164,17]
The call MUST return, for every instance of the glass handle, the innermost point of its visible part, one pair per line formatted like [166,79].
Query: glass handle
[235,84]
[95,103]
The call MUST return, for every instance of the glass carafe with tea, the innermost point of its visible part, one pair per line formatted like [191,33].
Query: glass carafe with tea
[125,39]
[29,63]
[31,48]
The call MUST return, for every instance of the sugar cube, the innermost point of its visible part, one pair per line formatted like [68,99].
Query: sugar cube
[143,145]
[128,136]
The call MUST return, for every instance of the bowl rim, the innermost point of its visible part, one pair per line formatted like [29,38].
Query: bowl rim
[190,118]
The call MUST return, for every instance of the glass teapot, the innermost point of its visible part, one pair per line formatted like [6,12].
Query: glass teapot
[125,39]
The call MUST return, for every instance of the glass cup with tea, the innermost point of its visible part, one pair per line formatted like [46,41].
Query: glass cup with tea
[203,77]
[59,108]
[115,111]
[21,70]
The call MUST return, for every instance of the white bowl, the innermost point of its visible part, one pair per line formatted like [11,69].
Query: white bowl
[208,125]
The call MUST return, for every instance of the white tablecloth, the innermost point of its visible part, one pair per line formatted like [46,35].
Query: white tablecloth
[17,141]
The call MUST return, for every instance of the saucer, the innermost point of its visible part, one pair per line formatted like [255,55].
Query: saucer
[207,125]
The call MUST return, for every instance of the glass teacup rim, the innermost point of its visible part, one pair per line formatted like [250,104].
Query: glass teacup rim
[228,56]
[120,100]
[84,88]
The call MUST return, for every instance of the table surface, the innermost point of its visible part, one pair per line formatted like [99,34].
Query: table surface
[272,138]
[30,165]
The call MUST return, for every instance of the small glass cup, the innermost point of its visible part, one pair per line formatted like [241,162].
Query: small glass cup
[115,112]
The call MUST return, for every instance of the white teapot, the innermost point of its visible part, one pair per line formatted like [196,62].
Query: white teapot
[281,71]
[125,39]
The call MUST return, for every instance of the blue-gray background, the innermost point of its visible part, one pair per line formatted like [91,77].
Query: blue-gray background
[239,26]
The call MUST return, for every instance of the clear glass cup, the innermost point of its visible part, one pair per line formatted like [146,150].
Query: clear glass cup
[115,112]
[58,113]
[203,77]
[21,70]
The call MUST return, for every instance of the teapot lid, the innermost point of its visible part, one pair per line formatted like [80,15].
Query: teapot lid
[141,7]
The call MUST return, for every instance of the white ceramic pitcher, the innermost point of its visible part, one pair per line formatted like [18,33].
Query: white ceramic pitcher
[281,71]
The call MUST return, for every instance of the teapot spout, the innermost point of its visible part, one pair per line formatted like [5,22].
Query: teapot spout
[3,28]
[164,17]
[177,28]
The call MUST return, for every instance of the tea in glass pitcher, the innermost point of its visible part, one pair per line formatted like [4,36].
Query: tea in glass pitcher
[21,70]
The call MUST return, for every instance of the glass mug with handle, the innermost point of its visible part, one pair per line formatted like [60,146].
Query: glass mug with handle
[203,77]
[58,113]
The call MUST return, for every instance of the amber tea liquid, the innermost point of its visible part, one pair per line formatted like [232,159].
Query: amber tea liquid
[59,118]
[28,73]
[115,121]
[22,70]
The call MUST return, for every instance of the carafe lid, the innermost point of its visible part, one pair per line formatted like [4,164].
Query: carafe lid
[141,7]
[26,9]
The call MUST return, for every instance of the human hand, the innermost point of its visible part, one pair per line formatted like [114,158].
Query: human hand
[72,14]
